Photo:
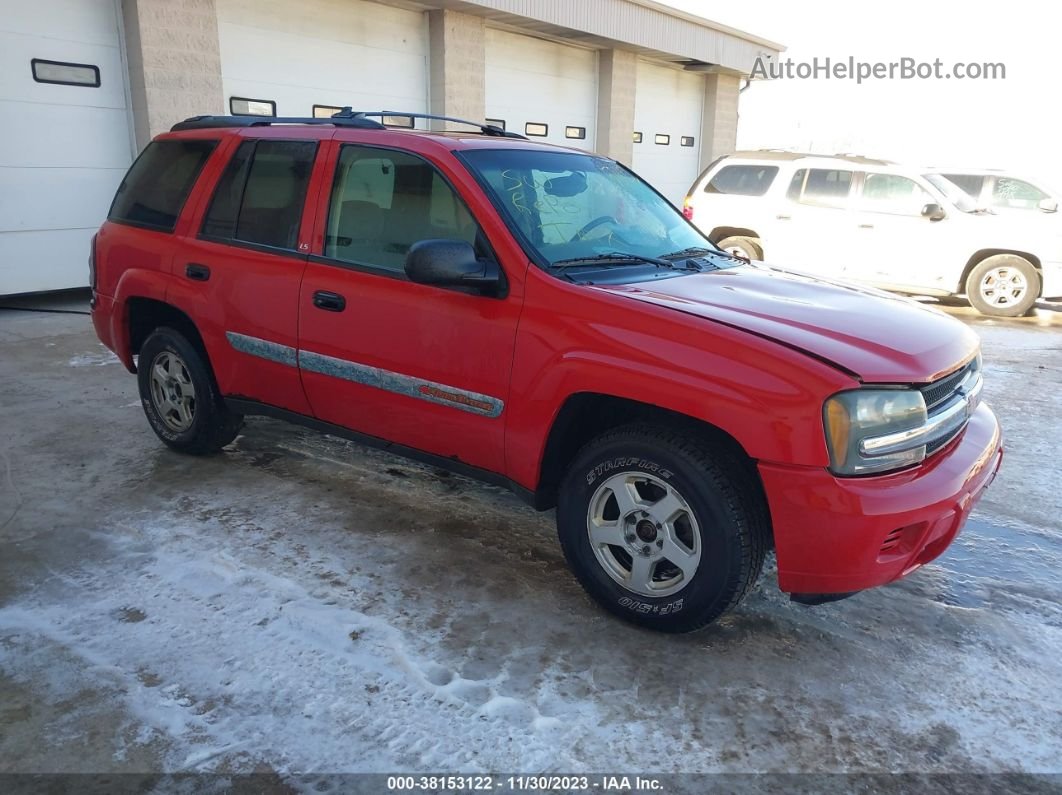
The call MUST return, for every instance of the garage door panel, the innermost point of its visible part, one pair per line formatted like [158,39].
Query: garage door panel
[54,135]
[56,198]
[533,80]
[668,102]
[16,75]
[88,21]
[353,53]
[65,147]
[351,21]
[45,260]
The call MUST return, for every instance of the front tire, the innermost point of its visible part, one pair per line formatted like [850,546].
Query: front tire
[180,397]
[660,529]
[748,247]
[1003,285]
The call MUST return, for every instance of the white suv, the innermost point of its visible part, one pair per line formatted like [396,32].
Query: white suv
[876,222]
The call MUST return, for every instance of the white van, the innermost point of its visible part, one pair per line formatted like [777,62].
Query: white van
[875,222]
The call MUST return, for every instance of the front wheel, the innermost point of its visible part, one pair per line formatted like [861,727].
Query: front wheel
[1003,285]
[179,395]
[749,248]
[660,529]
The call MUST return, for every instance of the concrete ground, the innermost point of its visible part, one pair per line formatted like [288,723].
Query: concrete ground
[303,605]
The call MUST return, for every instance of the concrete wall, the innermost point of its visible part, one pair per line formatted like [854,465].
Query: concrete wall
[174,62]
[616,88]
[457,58]
[720,119]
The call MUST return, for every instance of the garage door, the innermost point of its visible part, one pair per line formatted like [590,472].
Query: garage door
[283,58]
[541,89]
[66,134]
[667,128]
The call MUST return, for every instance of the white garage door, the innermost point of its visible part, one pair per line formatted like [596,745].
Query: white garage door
[667,117]
[289,56]
[66,144]
[542,89]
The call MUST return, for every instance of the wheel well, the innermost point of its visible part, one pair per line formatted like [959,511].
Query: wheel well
[147,314]
[985,253]
[723,232]
[587,415]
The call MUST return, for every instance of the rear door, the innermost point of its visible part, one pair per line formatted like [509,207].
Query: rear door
[422,366]
[240,270]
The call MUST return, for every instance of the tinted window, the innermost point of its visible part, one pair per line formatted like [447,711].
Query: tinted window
[890,193]
[156,187]
[742,180]
[1017,194]
[969,183]
[260,196]
[827,187]
[384,201]
[796,184]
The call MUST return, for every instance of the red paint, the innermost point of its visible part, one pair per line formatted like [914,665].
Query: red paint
[753,352]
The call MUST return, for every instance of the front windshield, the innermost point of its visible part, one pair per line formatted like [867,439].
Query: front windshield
[569,206]
[952,192]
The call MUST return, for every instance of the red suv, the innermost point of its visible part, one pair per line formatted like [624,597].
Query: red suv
[542,318]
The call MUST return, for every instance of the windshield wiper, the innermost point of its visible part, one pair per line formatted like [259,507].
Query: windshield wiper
[701,251]
[617,258]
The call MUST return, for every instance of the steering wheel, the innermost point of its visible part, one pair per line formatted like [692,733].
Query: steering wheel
[592,225]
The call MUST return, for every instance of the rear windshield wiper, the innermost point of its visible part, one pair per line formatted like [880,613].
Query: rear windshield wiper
[617,258]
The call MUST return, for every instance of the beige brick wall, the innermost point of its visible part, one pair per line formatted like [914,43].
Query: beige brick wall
[457,46]
[719,125]
[616,87]
[174,62]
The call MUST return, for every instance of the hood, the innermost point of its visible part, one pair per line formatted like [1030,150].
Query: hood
[878,337]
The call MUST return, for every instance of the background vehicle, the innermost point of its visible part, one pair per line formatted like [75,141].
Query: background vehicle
[875,222]
[540,317]
[1000,192]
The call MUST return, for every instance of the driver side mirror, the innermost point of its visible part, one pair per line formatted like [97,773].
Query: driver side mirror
[933,211]
[452,263]
[1048,205]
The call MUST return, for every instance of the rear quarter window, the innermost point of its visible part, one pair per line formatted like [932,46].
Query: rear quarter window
[742,180]
[158,183]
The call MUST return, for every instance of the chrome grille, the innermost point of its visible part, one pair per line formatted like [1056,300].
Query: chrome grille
[941,391]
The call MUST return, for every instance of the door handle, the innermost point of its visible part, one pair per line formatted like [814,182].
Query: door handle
[197,272]
[784,217]
[330,302]
[866,226]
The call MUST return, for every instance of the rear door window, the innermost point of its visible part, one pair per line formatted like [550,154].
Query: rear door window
[748,180]
[260,197]
[824,187]
[158,183]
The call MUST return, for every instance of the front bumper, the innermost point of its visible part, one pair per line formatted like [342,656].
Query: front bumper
[837,535]
[1051,276]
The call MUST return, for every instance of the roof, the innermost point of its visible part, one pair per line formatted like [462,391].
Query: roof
[787,156]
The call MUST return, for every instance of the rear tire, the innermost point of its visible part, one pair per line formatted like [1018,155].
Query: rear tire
[682,547]
[180,397]
[1003,285]
[750,248]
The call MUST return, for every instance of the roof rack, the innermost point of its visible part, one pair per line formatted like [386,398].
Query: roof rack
[344,118]
[207,122]
[485,129]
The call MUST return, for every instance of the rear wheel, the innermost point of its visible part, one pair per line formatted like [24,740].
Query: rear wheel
[179,395]
[1003,285]
[748,247]
[660,529]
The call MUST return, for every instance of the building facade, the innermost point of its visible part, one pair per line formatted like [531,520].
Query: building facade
[86,83]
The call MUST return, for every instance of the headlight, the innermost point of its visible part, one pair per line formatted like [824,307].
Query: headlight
[851,418]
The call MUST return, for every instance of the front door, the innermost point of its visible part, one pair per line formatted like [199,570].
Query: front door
[422,366]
